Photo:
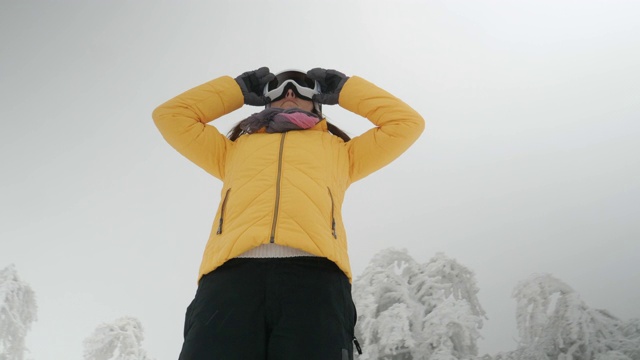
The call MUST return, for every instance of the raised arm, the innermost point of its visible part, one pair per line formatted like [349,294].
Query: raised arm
[397,126]
[182,122]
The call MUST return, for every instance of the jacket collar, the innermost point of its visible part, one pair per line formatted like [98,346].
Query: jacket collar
[320,126]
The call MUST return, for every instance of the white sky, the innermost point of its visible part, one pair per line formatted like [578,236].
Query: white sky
[530,162]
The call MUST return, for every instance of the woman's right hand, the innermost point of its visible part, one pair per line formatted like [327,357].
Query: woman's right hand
[252,84]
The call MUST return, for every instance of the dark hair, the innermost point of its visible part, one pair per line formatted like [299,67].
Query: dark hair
[236,131]
[338,132]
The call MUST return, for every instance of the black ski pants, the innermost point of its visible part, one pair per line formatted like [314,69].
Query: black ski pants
[296,308]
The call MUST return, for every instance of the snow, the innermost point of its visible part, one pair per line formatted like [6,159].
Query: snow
[120,340]
[417,311]
[18,311]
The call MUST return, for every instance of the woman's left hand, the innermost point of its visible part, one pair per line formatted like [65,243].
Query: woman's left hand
[331,82]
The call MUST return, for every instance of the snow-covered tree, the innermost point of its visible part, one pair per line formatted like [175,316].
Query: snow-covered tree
[411,311]
[120,340]
[554,323]
[17,311]
[631,343]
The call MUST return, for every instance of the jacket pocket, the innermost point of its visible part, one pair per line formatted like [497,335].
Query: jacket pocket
[333,215]
[222,210]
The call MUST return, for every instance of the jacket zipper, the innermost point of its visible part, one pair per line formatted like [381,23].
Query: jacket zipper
[272,238]
[333,218]
[224,205]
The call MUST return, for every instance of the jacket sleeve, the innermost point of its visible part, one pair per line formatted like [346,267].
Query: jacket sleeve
[397,126]
[183,122]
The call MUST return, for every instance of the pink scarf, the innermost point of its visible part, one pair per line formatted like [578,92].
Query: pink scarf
[276,120]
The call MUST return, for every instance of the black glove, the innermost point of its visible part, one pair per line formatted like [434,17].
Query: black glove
[331,82]
[252,85]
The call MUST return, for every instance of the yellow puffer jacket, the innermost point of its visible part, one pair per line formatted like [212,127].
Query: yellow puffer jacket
[284,188]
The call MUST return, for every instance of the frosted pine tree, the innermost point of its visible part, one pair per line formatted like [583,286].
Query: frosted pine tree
[411,311]
[386,310]
[631,342]
[17,312]
[612,355]
[554,323]
[452,326]
[120,340]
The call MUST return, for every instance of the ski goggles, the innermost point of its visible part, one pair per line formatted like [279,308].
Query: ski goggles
[299,82]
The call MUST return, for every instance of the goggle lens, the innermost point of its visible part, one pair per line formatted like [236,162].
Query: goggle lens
[300,78]
[299,82]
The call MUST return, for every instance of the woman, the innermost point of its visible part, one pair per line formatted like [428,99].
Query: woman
[275,279]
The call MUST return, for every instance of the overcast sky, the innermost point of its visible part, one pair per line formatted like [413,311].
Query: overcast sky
[530,162]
